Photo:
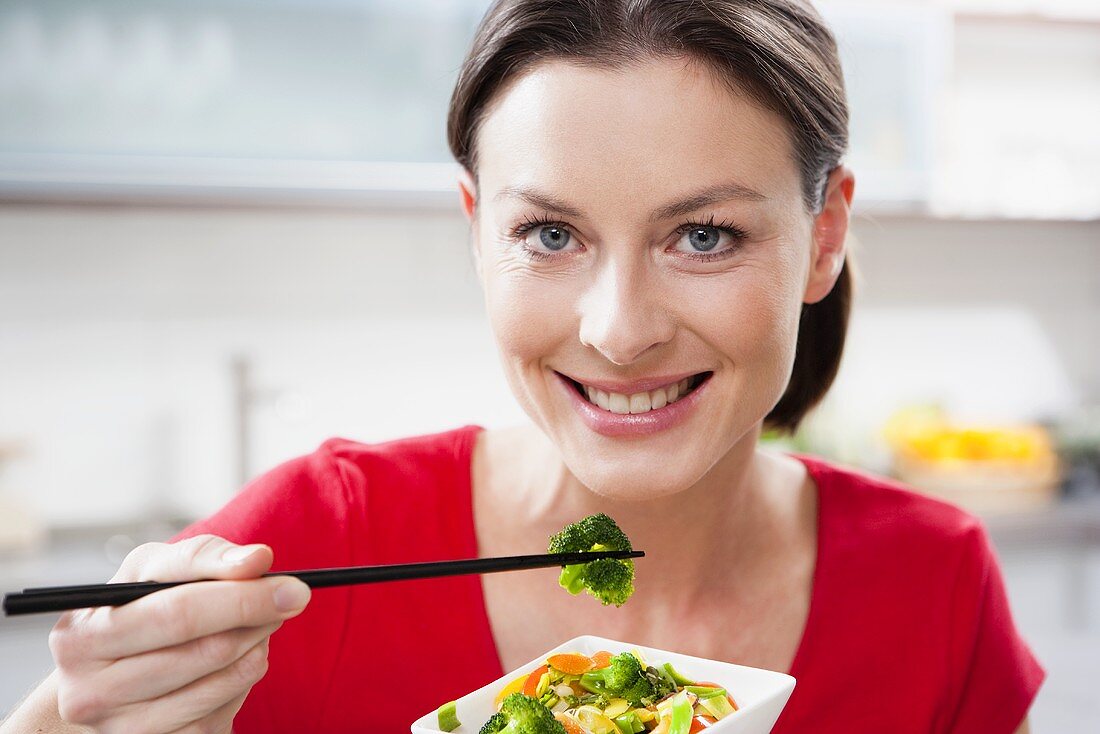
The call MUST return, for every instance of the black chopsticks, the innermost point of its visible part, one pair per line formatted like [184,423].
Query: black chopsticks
[61,598]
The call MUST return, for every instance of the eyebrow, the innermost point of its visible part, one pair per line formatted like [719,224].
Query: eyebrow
[712,195]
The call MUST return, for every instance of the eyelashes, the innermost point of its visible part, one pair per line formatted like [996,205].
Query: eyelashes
[736,234]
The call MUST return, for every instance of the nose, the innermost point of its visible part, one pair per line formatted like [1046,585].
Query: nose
[623,314]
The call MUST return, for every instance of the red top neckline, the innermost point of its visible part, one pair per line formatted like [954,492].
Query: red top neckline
[814,468]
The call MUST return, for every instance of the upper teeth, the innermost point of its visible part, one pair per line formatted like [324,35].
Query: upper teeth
[639,402]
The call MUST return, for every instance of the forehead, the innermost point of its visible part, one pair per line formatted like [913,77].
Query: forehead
[637,132]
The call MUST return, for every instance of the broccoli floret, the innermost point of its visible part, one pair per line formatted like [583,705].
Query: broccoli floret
[520,714]
[496,723]
[622,671]
[626,678]
[585,533]
[609,580]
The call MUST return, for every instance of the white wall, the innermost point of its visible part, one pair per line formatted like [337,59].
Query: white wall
[119,326]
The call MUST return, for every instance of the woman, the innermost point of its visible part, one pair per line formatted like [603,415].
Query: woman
[658,213]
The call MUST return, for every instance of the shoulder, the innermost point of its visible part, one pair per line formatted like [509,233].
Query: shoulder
[335,486]
[863,512]
[326,473]
[442,452]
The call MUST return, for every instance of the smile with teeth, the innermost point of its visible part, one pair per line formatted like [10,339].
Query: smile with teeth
[641,402]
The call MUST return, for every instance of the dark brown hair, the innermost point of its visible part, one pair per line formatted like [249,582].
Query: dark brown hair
[778,51]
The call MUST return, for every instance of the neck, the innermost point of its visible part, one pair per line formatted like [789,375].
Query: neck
[726,521]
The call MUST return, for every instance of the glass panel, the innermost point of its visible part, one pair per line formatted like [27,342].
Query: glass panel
[318,79]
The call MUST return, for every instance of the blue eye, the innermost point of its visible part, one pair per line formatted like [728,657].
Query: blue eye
[553,238]
[703,239]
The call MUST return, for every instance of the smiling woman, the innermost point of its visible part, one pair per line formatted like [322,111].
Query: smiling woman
[658,211]
[608,204]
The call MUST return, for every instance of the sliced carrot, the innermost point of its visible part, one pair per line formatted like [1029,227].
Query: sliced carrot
[601,659]
[572,663]
[514,687]
[531,684]
[701,722]
[571,727]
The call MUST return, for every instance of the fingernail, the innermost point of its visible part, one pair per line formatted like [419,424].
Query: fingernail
[291,595]
[238,553]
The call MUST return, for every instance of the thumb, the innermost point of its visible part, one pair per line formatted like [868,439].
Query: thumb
[200,557]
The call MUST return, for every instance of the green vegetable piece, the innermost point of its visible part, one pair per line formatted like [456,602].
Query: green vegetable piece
[610,580]
[676,677]
[629,723]
[496,723]
[625,677]
[681,714]
[705,691]
[448,717]
[717,706]
[520,714]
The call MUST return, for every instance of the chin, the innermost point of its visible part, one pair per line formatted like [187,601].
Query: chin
[634,481]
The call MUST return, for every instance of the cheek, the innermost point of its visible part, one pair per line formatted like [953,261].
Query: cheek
[751,318]
[530,313]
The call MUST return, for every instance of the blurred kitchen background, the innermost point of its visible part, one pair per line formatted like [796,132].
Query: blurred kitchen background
[229,229]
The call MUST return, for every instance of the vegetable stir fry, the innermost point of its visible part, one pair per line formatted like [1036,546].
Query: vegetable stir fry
[606,694]
[609,580]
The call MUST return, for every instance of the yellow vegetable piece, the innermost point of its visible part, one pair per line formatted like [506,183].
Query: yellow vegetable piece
[595,721]
[616,707]
[544,683]
[515,686]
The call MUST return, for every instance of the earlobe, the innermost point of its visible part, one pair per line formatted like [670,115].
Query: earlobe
[829,233]
[467,189]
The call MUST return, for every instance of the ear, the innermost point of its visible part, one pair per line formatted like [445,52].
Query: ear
[830,231]
[467,190]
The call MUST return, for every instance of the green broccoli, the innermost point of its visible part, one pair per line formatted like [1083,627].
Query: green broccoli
[609,580]
[496,723]
[520,714]
[626,678]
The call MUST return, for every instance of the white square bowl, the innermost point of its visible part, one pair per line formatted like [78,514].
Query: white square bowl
[760,694]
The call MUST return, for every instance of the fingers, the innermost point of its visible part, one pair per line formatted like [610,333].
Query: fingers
[179,659]
[219,722]
[178,615]
[155,674]
[187,706]
[200,557]
[195,701]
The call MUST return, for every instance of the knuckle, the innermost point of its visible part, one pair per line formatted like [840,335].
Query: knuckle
[252,605]
[67,645]
[82,706]
[58,642]
[194,548]
[217,651]
[139,557]
[177,620]
[252,666]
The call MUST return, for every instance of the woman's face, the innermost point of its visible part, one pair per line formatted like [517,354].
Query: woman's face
[645,251]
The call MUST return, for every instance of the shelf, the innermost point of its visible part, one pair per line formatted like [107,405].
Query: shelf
[29,178]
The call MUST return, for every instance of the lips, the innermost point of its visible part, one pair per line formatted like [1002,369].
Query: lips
[639,397]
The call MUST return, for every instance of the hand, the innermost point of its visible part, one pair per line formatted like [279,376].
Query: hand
[182,659]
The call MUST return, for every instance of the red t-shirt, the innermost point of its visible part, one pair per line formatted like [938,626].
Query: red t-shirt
[909,629]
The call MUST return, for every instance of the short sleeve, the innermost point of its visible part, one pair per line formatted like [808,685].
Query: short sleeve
[294,508]
[994,675]
[300,509]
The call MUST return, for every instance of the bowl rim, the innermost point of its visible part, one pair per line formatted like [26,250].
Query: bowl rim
[785,683]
